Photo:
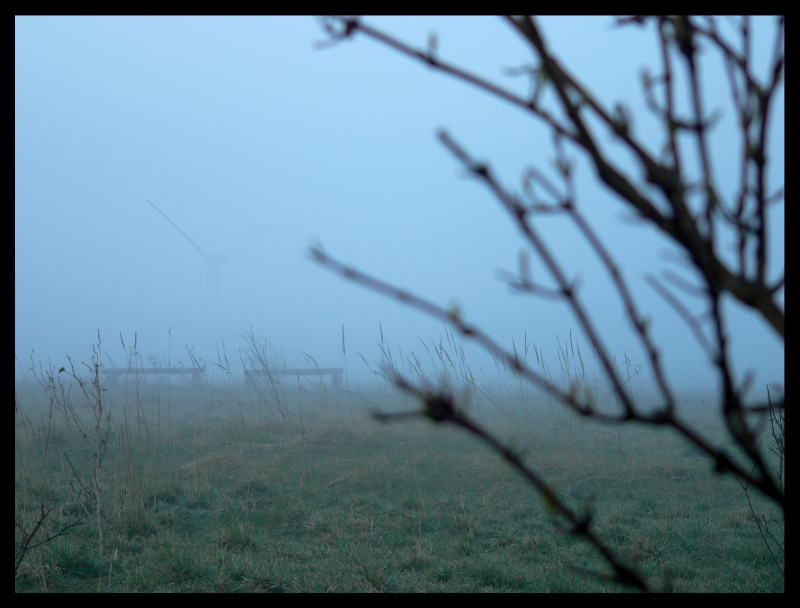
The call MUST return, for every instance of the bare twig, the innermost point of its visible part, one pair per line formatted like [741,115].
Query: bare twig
[26,538]
[440,406]
[674,213]
[680,225]
[764,528]
[577,403]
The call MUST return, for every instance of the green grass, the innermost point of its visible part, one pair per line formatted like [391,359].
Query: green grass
[231,500]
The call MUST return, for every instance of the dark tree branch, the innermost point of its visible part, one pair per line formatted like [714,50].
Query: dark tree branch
[683,312]
[26,538]
[722,462]
[695,232]
[681,226]
[440,407]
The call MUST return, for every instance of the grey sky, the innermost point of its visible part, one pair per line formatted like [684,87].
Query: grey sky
[230,125]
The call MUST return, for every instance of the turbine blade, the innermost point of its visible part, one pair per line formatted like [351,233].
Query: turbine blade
[186,236]
[247,239]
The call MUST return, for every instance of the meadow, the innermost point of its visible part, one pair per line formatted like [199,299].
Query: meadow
[231,488]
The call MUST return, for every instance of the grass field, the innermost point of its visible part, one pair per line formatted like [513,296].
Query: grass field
[220,490]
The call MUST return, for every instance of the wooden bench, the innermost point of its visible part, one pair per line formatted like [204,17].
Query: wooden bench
[334,372]
[115,375]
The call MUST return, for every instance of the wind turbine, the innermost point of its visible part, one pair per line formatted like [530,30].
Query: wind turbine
[214,260]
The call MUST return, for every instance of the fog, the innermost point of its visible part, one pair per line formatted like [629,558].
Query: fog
[243,127]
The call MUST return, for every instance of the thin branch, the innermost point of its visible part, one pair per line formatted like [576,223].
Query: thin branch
[27,537]
[722,462]
[681,226]
[684,313]
[453,318]
[522,283]
[353,25]
[440,407]
[518,213]
[639,324]
[669,97]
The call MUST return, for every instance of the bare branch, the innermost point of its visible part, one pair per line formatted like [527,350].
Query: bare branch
[26,537]
[684,314]
[671,212]
[440,406]
[681,226]
[722,462]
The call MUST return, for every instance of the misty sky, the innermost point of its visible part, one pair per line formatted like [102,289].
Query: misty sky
[231,125]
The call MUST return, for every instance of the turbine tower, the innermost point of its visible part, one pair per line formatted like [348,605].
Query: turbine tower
[214,260]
